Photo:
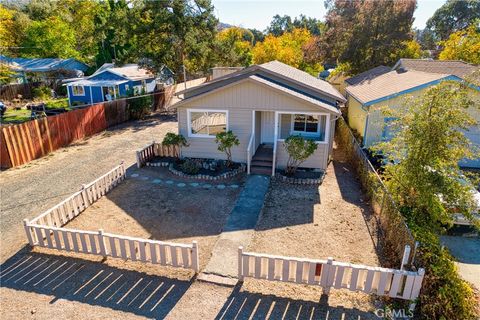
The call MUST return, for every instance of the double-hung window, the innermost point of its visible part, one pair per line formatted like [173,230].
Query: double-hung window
[78,90]
[307,125]
[207,123]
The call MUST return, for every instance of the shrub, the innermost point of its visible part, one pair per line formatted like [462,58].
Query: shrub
[227,140]
[177,140]
[298,149]
[190,167]
[444,294]
[42,93]
[140,107]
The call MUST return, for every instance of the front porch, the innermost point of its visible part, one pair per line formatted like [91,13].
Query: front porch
[266,151]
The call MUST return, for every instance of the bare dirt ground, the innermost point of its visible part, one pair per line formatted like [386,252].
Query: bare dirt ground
[27,191]
[166,212]
[41,284]
[332,220]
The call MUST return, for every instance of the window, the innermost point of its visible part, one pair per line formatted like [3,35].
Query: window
[389,129]
[309,125]
[78,90]
[206,123]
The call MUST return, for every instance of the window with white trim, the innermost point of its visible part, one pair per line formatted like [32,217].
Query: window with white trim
[207,123]
[307,125]
[78,90]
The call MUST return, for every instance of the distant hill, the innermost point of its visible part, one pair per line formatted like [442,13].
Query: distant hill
[222,25]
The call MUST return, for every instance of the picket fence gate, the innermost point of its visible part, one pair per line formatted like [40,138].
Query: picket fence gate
[46,231]
[331,274]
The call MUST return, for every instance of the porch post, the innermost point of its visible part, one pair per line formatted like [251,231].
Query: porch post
[327,137]
[114,93]
[275,137]
[68,94]
[91,97]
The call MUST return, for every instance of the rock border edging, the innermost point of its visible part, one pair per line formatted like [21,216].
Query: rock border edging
[222,176]
[305,181]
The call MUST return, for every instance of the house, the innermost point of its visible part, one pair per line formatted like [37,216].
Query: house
[44,69]
[368,93]
[263,105]
[110,82]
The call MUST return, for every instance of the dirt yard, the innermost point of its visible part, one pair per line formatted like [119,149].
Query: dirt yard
[332,220]
[146,206]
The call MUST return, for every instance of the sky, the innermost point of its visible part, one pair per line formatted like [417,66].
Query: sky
[258,13]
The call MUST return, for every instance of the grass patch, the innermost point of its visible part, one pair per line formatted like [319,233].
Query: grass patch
[14,116]
[57,103]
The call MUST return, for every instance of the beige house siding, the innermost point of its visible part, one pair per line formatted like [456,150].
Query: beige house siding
[317,160]
[240,100]
[356,116]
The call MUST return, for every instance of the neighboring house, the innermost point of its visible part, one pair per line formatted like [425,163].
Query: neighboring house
[45,70]
[109,83]
[262,105]
[371,91]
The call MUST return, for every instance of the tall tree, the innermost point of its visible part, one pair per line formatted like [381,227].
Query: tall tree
[279,25]
[233,47]
[365,33]
[453,16]
[462,45]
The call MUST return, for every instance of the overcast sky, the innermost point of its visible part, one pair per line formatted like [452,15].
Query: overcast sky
[258,13]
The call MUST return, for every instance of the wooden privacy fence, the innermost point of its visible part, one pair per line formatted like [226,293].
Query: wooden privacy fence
[153,150]
[33,139]
[9,92]
[331,274]
[46,231]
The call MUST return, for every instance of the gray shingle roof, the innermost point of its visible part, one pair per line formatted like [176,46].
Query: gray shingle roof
[368,75]
[391,83]
[455,67]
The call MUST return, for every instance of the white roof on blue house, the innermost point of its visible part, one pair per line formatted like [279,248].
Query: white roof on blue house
[131,72]
[43,64]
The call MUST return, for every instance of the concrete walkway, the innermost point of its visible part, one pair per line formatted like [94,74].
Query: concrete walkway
[239,228]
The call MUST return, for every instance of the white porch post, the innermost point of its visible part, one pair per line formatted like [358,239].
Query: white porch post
[114,93]
[91,97]
[68,94]
[327,137]
[275,138]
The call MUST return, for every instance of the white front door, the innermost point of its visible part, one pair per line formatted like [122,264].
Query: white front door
[268,126]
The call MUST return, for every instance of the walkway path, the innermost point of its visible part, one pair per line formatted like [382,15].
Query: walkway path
[239,228]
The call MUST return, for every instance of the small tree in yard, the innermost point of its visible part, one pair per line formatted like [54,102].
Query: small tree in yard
[176,140]
[424,178]
[227,140]
[298,149]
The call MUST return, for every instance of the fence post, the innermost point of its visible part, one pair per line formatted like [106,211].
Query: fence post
[139,163]
[328,271]
[86,200]
[416,288]
[240,263]
[195,262]
[27,230]
[101,241]
[406,256]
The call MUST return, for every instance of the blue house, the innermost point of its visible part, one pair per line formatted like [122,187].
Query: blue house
[110,82]
[44,69]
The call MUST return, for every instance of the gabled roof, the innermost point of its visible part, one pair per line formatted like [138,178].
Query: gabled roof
[280,70]
[368,75]
[130,72]
[454,67]
[394,83]
[43,64]
[275,86]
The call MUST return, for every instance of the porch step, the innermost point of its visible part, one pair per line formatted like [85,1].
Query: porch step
[263,153]
[267,171]
[262,163]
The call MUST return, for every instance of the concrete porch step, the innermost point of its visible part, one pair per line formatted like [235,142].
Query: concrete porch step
[261,170]
[261,163]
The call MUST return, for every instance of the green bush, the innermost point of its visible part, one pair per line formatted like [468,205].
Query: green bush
[190,167]
[139,107]
[298,149]
[225,141]
[176,140]
[444,294]
[42,93]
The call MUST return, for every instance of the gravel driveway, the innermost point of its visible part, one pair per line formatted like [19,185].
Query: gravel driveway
[27,191]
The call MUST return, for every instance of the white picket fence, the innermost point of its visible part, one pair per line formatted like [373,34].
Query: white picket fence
[331,274]
[46,231]
[71,207]
[148,152]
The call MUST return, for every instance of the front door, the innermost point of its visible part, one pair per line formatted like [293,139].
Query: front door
[268,126]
